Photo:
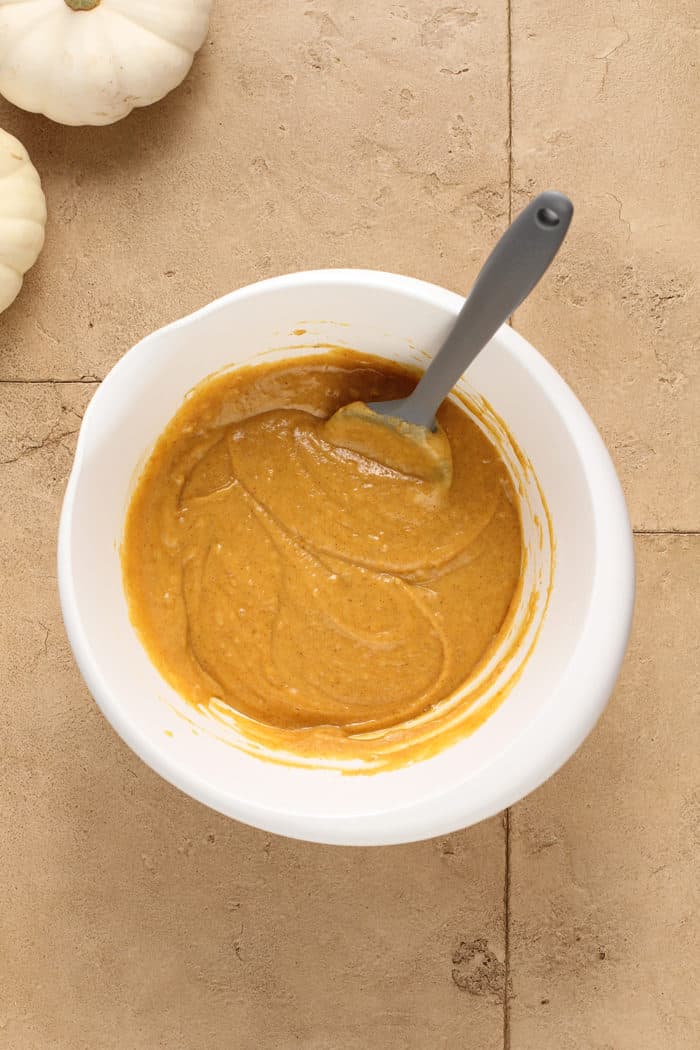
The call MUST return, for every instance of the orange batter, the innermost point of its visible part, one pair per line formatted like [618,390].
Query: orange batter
[310,585]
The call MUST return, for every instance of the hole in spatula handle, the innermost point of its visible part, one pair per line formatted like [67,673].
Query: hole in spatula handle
[547,217]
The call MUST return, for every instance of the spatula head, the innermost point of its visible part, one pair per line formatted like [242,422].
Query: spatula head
[392,442]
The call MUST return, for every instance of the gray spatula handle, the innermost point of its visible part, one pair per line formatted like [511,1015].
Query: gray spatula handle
[511,271]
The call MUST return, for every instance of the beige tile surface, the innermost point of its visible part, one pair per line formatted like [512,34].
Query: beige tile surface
[326,133]
[601,108]
[132,917]
[308,135]
[604,858]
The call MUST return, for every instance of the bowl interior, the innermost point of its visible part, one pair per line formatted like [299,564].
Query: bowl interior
[392,317]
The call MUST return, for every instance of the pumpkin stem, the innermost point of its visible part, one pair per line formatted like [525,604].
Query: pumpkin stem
[81,5]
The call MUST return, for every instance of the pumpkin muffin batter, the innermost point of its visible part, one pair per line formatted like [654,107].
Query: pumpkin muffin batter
[274,563]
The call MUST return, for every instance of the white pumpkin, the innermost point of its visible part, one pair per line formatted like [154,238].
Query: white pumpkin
[93,61]
[22,216]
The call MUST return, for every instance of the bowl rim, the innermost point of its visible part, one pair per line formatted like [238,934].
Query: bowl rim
[534,754]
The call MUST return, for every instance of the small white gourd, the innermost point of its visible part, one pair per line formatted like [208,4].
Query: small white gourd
[22,216]
[93,61]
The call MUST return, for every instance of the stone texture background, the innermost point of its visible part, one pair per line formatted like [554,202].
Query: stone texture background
[399,136]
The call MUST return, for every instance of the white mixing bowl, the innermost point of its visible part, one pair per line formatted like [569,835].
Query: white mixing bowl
[582,585]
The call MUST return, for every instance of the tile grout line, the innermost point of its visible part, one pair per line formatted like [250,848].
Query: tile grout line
[84,380]
[506,910]
[506,824]
[509,140]
[666,532]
